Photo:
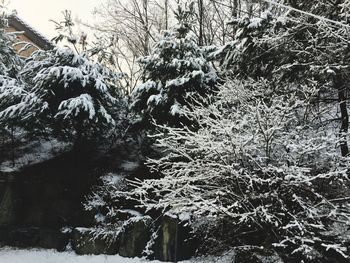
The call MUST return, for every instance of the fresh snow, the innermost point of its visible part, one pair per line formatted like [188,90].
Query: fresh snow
[73,106]
[130,166]
[184,216]
[39,152]
[175,109]
[112,179]
[11,255]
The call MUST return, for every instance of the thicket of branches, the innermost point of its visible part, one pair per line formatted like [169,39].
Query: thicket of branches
[269,154]
[265,149]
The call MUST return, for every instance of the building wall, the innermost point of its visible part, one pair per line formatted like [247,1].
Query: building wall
[23,38]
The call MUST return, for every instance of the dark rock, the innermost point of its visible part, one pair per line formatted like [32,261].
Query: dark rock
[134,235]
[48,194]
[7,207]
[26,237]
[23,237]
[8,199]
[85,241]
[53,239]
[3,236]
[165,244]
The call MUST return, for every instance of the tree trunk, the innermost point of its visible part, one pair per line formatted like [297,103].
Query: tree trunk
[236,7]
[250,8]
[166,10]
[146,27]
[13,145]
[79,136]
[339,85]
[201,20]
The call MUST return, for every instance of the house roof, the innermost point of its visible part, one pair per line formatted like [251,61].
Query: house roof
[37,38]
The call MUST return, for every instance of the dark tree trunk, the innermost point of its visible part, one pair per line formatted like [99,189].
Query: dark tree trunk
[166,10]
[249,6]
[235,8]
[201,21]
[79,142]
[13,145]
[339,85]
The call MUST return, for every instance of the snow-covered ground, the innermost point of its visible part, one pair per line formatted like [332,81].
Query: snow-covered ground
[12,255]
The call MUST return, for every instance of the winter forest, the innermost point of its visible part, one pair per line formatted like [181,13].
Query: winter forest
[204,130]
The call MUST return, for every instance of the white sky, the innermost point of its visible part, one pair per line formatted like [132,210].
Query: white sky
[37,13]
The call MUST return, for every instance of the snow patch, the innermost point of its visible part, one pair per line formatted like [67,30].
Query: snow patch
[10,255]
[129,166]
[39,152]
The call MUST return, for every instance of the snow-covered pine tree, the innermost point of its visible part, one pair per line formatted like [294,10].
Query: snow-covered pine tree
[68,97]
[11,89]
[9,60]
[175,72]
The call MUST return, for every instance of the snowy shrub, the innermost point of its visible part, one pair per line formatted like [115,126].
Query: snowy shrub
[175,72]
[67,96]
[261,161]
[105,200]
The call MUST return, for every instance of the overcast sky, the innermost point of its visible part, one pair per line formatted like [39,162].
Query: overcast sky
[37,13]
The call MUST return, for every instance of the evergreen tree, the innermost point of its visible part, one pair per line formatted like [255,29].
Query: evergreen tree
[11,89]
[9,60]
[175,72]
[67,96]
